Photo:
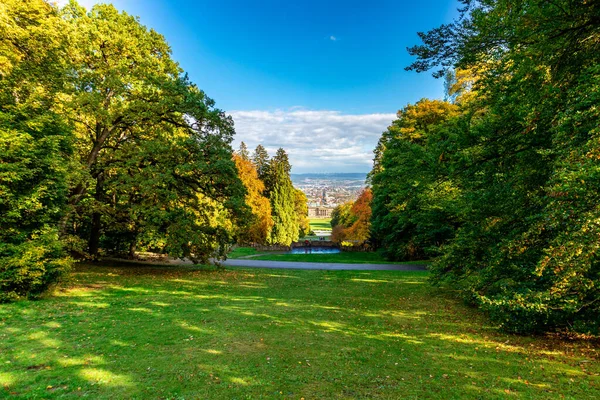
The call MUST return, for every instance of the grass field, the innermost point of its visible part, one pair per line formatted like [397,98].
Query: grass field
[320,224]
[242,252]
[135,332]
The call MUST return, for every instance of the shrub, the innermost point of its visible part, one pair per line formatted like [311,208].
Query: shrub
[28,269]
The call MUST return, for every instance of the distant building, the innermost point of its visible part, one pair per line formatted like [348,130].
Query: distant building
[319,212]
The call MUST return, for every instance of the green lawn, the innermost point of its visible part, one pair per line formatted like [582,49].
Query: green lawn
[320,224]
[242,252]
[135,332]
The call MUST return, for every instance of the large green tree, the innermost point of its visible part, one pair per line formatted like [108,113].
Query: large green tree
[155,155]
[412,215]
[282,196]
[35,146]
[523,154]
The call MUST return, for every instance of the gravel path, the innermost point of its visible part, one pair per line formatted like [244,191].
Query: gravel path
[246,263]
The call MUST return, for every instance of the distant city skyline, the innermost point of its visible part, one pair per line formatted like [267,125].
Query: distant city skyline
[320,79]
[329,189]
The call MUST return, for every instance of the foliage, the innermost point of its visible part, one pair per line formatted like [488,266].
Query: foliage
[35,144]
[338,234]
[243,152]
[105,143]
[261,159]
[301,212]
[361,210]
[511,180]
[341,215]
[351,221]
[29,268]
[282,196]
[155,157]
[258,230]
[412,194]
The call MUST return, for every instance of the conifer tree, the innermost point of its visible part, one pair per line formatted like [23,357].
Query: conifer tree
[243,152]
[260,158]
[282,196]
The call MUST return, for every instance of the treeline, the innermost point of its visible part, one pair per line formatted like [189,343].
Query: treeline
[500,184]
[106,144]
[279,211]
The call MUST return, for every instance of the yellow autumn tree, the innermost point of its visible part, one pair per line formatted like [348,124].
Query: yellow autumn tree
[301,207]
[259,228]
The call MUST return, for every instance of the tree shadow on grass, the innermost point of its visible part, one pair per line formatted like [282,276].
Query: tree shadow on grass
[181,332]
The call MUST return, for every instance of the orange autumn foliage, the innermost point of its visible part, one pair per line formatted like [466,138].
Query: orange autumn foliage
[259,229]
[360,213]
[361,209]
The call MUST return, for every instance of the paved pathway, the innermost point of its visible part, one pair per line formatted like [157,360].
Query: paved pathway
[245,263]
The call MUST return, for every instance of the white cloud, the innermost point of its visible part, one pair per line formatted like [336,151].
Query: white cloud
[332,38]
[316,141]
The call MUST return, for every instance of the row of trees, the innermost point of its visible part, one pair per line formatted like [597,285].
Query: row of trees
[279,211]
[500,183]
[106,144]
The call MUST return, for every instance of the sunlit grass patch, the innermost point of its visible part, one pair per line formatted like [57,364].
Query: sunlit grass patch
[242,252]
[181,332]
[103,377]
[321,224]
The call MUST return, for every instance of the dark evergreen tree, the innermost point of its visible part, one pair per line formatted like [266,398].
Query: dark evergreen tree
[243,152]
[282,159]
[260,159]
[282,196]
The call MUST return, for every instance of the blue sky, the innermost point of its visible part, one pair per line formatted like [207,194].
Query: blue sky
[294,73]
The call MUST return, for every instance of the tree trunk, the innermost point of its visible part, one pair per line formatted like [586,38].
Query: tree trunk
[132,248]
[94,241]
